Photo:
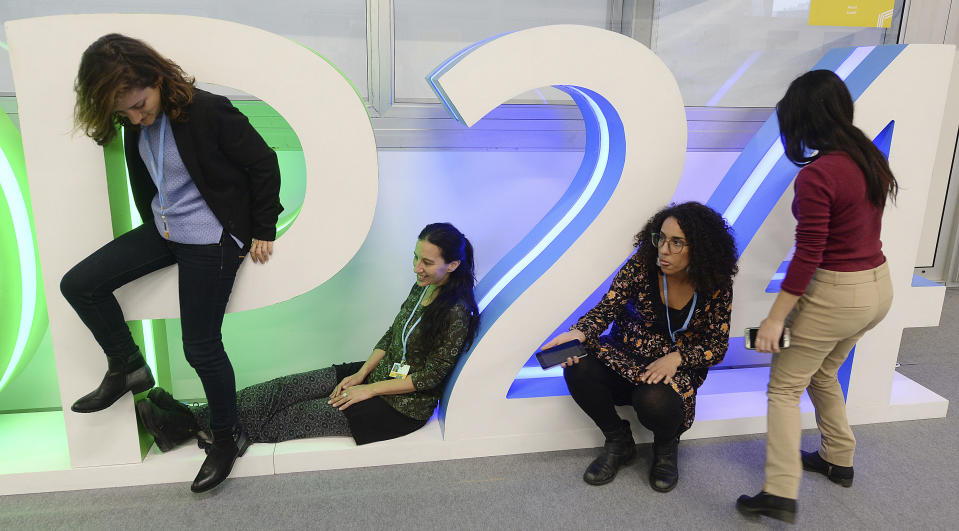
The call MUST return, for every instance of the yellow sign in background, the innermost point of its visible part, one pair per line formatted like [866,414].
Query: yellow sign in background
[860,13]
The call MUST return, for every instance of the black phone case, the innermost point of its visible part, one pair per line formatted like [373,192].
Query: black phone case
[558,354]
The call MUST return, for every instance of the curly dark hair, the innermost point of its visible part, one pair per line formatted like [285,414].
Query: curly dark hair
[712,259]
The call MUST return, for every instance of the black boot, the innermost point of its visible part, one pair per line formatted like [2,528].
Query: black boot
[619,450]
[228,444]
[164,400]
[768,505]
[169,421]
[664,474]
[124,373]
[837,474]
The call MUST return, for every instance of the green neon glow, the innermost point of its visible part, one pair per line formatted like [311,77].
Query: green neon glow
[286,221]
[152,334]
[24,291]
[149,349]
[125,217]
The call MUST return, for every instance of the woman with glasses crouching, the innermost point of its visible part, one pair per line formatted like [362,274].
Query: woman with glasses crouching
[669,306]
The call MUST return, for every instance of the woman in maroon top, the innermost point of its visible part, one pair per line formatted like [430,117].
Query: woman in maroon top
[837,286]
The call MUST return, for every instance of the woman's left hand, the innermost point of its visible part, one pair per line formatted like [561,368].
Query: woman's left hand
[260,251]
[662,370]
[352,395]
[767,339]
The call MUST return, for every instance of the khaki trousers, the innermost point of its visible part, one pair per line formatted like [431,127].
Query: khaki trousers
[830,317]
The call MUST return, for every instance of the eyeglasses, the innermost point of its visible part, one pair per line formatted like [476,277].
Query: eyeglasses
[676,245]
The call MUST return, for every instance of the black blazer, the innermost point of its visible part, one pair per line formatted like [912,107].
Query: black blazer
[236,173]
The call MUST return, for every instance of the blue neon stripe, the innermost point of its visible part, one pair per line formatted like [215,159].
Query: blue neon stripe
[754,151]
[881,57]
[601,169]
[749,210]
[597,159]
[445,66]
[845,371]
[853,61]
[883,142]
[920,282]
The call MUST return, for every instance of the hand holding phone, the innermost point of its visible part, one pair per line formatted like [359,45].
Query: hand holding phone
[554,356]
[749,338]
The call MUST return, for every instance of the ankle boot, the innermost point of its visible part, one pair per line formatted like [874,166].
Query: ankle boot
[228,444]
[664,474]
[766,504]
[124,373]
[180,418]
[169,428]
[619,450]
[837,474]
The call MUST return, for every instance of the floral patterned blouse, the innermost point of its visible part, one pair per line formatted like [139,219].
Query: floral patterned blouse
[428,369]
[639,335]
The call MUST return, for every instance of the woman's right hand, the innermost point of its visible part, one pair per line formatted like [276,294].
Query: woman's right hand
[351,380]
[566,337]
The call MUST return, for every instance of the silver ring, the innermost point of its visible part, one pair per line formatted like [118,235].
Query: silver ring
[344,394]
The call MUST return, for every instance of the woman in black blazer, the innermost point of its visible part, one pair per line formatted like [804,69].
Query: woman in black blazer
[207,187]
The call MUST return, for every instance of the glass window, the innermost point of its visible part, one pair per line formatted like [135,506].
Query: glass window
[334,28]
[743,53]
[428,32]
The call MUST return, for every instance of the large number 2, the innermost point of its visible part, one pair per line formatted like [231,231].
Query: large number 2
[635,147]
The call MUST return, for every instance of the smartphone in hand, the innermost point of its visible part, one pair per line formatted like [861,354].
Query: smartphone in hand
[554,356]
[749,338]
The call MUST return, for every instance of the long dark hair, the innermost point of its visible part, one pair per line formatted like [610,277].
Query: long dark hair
[114,64]
[458,289]
[816,114]
[712,249]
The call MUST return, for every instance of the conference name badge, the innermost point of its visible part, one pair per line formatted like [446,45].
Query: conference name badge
[399,371]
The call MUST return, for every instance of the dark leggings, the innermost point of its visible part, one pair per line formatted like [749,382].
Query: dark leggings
[206,275]
[597,390]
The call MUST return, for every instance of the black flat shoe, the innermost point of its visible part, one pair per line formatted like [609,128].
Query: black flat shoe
[123,374]
[228,445]
[664,474]
[814,462]
[765,504]
[619,451]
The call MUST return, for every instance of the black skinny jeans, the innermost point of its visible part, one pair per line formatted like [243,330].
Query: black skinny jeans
[206,276]
[597,390]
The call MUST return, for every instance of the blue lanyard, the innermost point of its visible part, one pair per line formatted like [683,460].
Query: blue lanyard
[405,334]
[669,325]
[156,162]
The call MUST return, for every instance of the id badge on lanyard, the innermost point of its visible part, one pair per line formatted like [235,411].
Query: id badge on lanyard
[401,369]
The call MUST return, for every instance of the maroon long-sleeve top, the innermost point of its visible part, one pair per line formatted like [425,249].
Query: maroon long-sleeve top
[837,227]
